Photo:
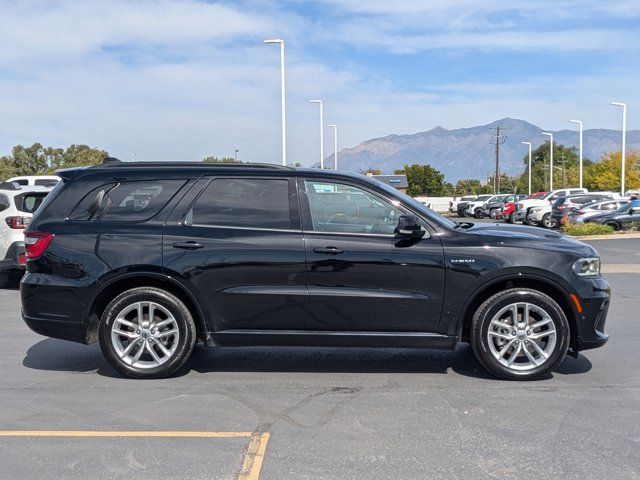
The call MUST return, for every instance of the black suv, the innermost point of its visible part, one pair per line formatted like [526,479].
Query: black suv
[148,258]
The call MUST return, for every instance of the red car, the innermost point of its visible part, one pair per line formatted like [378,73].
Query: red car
[510,207]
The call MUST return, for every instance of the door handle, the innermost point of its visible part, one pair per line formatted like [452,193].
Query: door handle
[328,250]
[190,245]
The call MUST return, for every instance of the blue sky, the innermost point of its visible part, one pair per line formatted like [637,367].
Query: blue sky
[184,79]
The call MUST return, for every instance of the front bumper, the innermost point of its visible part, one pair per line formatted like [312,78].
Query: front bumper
[595,297]
[519,215]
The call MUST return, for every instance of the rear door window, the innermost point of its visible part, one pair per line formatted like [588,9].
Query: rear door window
[243,202]
[126,201]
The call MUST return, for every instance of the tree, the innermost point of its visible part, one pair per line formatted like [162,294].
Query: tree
[423,180]
[565,168]
[605,174]
[467,186]
[39,160]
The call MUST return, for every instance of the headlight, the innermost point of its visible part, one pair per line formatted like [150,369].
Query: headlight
[587,267]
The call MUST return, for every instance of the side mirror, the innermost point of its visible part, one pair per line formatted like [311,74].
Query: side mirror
[409,227]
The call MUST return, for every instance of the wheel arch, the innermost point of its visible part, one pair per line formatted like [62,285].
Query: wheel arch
[121,283]
[537,282]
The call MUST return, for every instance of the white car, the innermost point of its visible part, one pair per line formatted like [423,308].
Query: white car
[17,205]
[453,205]
[540,216]
[48,181]
[474,208]
[523,206]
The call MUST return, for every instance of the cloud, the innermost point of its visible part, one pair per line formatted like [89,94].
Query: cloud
[185,79]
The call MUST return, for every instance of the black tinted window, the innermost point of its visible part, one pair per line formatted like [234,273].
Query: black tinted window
[244,202]
[46,182]
[126,201]
[4,202]
[29,202]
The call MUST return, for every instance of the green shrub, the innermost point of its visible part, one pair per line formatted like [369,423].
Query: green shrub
[580,229]
[632,227]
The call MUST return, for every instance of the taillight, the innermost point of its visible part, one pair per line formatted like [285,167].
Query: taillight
[35,243]
[22,259]
[18,222]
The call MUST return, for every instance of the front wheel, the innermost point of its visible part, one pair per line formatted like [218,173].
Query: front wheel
[147,332]
[477,213]
[547,222]
[520,334]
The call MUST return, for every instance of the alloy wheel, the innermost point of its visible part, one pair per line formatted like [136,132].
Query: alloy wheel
[521,336]
[145,335]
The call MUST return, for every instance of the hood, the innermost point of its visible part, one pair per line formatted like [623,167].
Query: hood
[529,237]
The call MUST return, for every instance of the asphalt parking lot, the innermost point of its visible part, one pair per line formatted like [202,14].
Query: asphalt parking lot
[277,413]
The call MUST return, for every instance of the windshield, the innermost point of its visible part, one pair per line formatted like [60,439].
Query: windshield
[629,206]
[415,204]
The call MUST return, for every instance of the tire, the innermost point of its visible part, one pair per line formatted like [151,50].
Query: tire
[546,221]
[510,218]
[553,337]
[493,214]
[477,213]
[5,278]
[163,348]
[615,225]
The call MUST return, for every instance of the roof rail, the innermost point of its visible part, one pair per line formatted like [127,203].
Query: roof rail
[108,162]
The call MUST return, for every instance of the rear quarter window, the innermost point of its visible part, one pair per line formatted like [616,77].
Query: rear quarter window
[132,201]
[4,202]
[30,202]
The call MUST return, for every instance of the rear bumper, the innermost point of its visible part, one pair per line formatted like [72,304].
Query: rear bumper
[57,307]
[11,261]
[58,328]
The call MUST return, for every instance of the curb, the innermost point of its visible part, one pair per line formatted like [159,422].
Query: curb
[613,236]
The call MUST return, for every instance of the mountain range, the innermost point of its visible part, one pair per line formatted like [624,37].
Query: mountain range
[469,152]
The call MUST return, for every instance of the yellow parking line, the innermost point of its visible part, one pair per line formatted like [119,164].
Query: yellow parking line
[251,464]
[108,433]
[253,457]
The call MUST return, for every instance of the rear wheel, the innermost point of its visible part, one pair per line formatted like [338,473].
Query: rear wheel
[615,225]
[520,334]
[477,213]
[494,213]
[5,277]
[510,219]
[147,333]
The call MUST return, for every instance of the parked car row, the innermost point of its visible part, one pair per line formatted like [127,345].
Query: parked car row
[552,209]
[20,197]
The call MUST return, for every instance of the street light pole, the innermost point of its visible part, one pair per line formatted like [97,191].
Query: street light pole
[282,97]
[579,123]
[319,102]
[624,143]
[335,145]
[550,135]
[529,143]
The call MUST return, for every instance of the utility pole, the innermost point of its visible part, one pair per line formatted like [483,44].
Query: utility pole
[499,140]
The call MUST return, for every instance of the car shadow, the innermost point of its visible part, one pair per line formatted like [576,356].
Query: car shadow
[59,355]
